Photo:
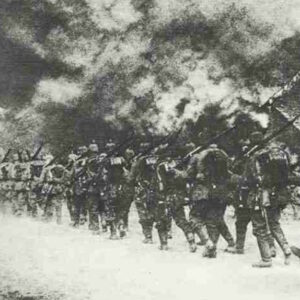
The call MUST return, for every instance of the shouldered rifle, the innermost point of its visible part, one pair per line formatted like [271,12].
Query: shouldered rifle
[201,148]
[6,155]
[265,141]
[114,151]
[37,152]
[169,139]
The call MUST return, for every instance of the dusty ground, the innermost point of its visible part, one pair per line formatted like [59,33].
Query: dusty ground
[47,261]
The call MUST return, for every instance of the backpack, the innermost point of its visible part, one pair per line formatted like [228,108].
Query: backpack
[216,165]
[276,167]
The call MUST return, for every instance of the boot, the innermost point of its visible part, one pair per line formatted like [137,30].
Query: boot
[262,264]
[273,251]
[210,250]
[287,259]
[230,249]
[122,232]
[296,251]
[265,253]
[202,234]
[113,232]
[148,240]
[147,231]
[163,238]
[191,241]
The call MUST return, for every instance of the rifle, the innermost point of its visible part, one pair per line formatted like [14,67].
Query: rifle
[37,152]
[286,88]
[116,150]
[51,162]
[169,139]
[270,138]
[188,156]
[6,155]
[20,156]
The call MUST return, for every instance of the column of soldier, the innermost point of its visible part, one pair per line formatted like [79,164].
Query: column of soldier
[99,188]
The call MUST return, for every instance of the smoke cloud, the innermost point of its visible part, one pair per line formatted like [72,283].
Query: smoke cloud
[147,63]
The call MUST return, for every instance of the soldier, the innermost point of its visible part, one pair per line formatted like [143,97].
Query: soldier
[128,188]
[268,172]
[116,176]
[93,189]
[209,173]
[53,178]
[34,197]
[174,190]
[20,174]
[102,180]
[242,207]
[79,179]
[68,184]
[4,185]
[143,176]
[150,201]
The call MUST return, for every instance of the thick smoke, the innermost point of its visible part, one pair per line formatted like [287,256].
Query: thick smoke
[142,63]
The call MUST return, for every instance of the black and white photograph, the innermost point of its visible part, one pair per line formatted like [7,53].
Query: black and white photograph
[149,149]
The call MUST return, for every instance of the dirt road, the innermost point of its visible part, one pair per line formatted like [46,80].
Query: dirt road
[47,261]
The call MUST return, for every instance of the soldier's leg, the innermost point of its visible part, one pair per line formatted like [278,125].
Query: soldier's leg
[243,218]
[222,226]
[21,203]
[102,211]
[70,205]
[84,209]
[161,221]
[93,211]
[260,231]
[127,201]
[32,203]
[197,222]
[277,232]
[49,208]
[77,209]
[145,218]
[181,221]
[57,204]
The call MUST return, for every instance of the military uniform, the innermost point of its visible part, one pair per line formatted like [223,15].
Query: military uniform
[53,178]
[115,174]
[243,212]
[79,178]
[20,174]
[129,190]
[34,197]
[267,197]
[174,190]
[4,186]
[93,188]
[144,177]
[209,173]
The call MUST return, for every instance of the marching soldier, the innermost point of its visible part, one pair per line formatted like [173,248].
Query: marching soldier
[128,188]
[79,179]
[68,184]
[53,178]
[267,173]
[242,208]
[20,174]
[116,176]
[208,171]
[174,190]
[143,176]
[34,198]
[93,189]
